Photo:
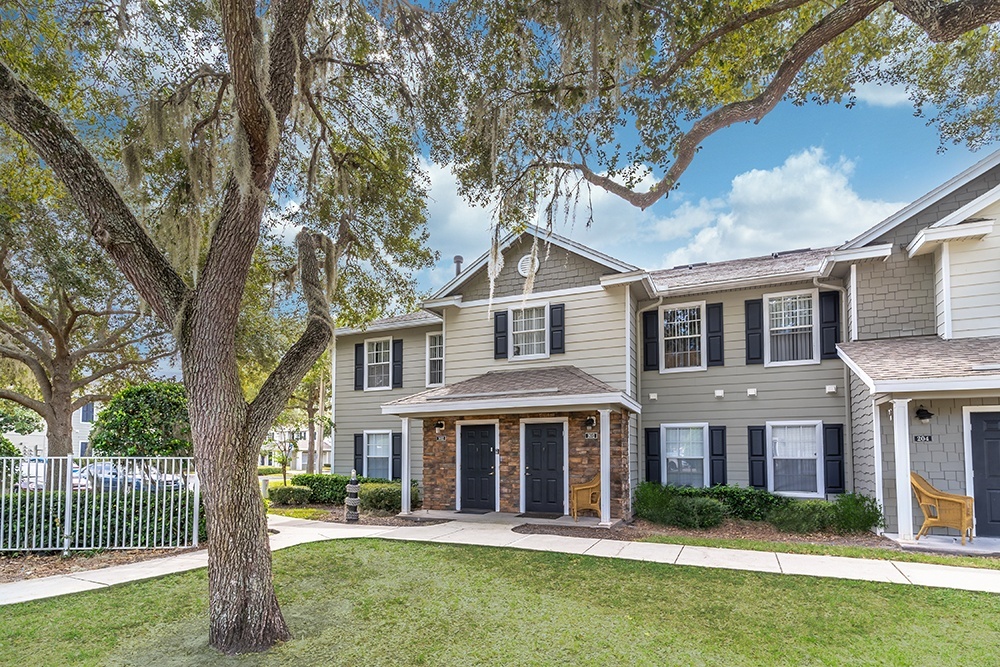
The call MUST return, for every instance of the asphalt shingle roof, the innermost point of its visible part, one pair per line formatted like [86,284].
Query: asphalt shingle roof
[777,264]
[925,357]
[418,318]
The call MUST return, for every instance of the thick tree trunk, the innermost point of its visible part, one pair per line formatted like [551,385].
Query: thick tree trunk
[59,424]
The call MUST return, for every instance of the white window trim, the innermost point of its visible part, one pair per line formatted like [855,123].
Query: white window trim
[705,449]
[364,453]
[510,333]
[704,338]
[820,467]
[814,293]
[427,348]
[377,340]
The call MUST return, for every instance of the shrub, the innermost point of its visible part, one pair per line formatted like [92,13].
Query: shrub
[747,503]
[289,495]
[386,496]
[326,489]
[652,502]
[144,420]
[804,516]
[696,512]
[268,470]
[854,513]
[677,506]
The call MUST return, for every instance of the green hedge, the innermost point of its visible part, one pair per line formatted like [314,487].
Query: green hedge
[849,513]
[386,496]
[143,519]
[332,489]
[675,506]
[268,470]
[740,502]
[289,495]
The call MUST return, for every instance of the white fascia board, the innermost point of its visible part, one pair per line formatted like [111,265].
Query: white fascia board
[443,302]
[939,384]
[534,296]
[472,268]
[928,199]
[927,239]
[856,370]
[519,403]
[969,210]
[881,251]
[391,326]
[742,283]
[631,278]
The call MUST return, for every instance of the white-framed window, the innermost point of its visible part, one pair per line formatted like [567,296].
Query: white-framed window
[795,458]
[378,454]
[684,457]
[378,363]
[435,359]
[529,338]
[684,337]
[791,325]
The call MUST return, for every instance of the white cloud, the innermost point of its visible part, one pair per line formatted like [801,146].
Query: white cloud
[882,95]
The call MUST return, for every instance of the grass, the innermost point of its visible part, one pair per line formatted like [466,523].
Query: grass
[377,602]
[310,513]
[874,553]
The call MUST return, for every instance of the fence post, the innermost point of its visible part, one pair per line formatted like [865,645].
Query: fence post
[197,507]
[68,499]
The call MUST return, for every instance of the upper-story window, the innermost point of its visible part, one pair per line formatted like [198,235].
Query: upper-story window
[792,331]
[87,413]
[378,363]
[435,359]
[529,332]
[683,337]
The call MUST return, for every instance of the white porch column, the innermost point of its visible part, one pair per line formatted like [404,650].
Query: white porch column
[901,437]
[404,474]
[605,466]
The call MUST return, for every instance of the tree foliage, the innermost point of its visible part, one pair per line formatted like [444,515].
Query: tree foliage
[144,420]
[16,419]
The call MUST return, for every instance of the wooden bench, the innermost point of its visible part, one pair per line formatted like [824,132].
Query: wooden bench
[586,496]
[949,510]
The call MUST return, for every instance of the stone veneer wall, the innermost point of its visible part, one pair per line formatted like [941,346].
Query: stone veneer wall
[584,459]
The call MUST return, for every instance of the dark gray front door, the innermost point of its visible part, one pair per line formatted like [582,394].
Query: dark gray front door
[479,467]
[986,472]
[543,468]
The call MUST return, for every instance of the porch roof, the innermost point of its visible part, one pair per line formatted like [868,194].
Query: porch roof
[925,363]
[535,389]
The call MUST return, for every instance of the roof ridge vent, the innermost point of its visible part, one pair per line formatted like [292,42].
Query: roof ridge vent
[691,266]
[776,255]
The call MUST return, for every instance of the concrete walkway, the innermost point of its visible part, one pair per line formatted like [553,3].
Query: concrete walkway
[297,531]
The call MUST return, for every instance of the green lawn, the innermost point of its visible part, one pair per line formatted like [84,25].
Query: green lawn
[373,602]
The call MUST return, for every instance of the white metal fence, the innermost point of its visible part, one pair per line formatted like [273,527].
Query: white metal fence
[86,503]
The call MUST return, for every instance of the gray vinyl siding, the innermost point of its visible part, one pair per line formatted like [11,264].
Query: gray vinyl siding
[558,269]
[862,438]
[595,337]
[783,393]
[359,411]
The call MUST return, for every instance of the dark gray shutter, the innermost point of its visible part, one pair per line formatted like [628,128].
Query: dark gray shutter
[359,366]
[397,456]
[653,455]
[713,328]
[557,329]
[754,310]
[359,453]
[833,457]
[500,334]
[397,363]
[829,324]
[717,454]
[757,441]
[651,340]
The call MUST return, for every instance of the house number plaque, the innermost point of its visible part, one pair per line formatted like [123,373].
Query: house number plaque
[921,438]
[590,436]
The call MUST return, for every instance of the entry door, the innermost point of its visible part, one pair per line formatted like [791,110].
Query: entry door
[543,468]
[986,472]
[479,467]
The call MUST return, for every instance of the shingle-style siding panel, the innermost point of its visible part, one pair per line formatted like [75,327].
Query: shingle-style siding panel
[862,438]
[975,287]
[595,338]
[359,411]
[558,269]
[783,393]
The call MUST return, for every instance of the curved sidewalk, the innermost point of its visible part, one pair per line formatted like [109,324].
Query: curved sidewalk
[298,531]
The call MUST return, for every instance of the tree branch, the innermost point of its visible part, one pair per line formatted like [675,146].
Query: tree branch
[41,355]
[112,223]
[108,370]
[34,365]
[35,406]
[946,21]
[89,398]
[26,305]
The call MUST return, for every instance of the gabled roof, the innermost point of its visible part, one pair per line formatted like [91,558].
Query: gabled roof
[929,199]
[420,318]
[778,267]
[613,264]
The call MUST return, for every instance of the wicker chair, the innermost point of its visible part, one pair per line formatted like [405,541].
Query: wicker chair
[942,509]
[586,496]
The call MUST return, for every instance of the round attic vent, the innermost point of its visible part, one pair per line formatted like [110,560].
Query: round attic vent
[524,263]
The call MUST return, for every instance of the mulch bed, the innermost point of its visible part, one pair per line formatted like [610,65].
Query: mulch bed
[30,565]
[730,529]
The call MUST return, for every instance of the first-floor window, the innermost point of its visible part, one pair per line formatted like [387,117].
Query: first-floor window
[794,457]
[378,450]
[684,450]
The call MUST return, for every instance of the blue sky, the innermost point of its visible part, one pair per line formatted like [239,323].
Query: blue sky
[807,176]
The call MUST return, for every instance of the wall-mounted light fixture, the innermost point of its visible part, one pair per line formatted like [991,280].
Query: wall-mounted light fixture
[590,422]
[924,415]
[439,426]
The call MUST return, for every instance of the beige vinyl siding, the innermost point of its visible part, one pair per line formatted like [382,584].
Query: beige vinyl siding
[975,287]
[359,411]
[783,393]
[595,337]
[939,296]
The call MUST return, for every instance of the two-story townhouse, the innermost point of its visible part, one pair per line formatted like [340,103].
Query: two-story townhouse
[36,444]
[924,348]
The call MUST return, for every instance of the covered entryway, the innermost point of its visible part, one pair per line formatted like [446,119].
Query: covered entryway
[478,466]
[986,472]
[544,488]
